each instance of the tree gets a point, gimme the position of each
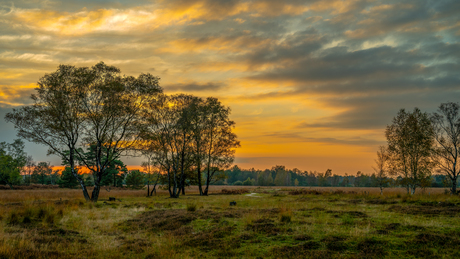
(12, 161)
(54, 118)
(446, 124)
(410, 141)
(152, 176)
(214, 141)
(248, 182)
(135, 179)
(67, 180)
(82, 106)
(167, 132)
(323, 177)
(381, 168)
(42, 173)
(8, 172)
(113, 175)
(28, 169)
(281, 174)
(346, 181)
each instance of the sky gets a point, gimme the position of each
(311, 84)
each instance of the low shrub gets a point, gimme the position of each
(235, 191)
(285, 214)
(304, 191)
(191, 207)
(34, 215)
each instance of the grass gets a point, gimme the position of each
(273, 223)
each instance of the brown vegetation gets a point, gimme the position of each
(330, 224)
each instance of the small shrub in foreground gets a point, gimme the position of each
(285, 215)
(191, 207)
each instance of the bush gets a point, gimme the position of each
(238, 183)
(236, 191)
(191, 207)
(304, 191)
(285, 215)
(286, 218)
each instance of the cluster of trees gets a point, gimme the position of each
(90, 117)
(16, 168)
(420, 144)
(187, 139)
(280, 176)
(190, 141)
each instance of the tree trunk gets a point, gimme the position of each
(454, 186)
(97, 187)
(95, 194)
(208, 180)
(183, 185)
(199, 180)
(169, 184)
(74, 173)
(205, 193)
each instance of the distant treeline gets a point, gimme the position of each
(281, 176)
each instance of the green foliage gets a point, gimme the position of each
(42, 173)
(135, 179)
(248, 182)
(238, 183)
(74, 107)
(410, 146)
(88, 180)
(115, 170)
(12, 161)
(67, 180)
(282, 177)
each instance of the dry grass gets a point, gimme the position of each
(9, 196)
(335, 223)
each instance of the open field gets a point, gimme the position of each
(266, 223)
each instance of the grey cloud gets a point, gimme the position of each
(296, 137)
(194, 87)
(376, 112)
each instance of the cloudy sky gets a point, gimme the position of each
(312, 84)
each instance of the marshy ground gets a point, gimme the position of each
(265, 223)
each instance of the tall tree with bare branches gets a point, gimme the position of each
(381, 168)
(446, 123)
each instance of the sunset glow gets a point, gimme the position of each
(311, 84)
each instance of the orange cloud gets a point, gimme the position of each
(239, 45)
(16, 95)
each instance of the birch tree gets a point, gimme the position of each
(446, 123)
(410, 140)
